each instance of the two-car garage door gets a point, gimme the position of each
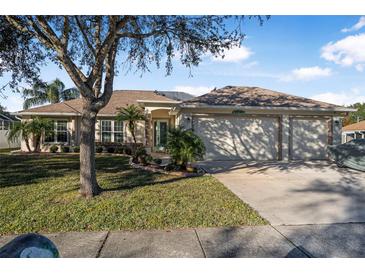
(238, 138)
(257, 138)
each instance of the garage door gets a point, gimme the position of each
(309, 138)
(238, 138)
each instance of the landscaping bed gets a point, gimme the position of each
(39, 193)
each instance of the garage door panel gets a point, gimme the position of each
(309, 139)
(237, 138)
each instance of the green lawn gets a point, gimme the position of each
(40, 194)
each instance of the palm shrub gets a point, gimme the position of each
(34, 128)
(131, 115)
(184, 146)
(19, 129)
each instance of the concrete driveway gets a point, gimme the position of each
(295, 193)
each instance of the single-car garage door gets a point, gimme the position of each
(238, 138)
(309, 139)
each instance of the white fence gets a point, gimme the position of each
(4, 127)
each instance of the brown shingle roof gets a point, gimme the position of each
(257, 97)
(120, 98)
(356, 126)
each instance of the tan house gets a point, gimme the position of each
(235, 123)
(353, 131)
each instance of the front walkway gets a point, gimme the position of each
(296, 193)
(337, 240)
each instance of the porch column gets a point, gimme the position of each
(72, 130)
(148, 132)
(97, 130)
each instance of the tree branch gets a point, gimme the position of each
(16, 23)
(138, 35)
(104, 49)
(84, 34)
(54, 43)
(109, 76)
(97, 33)
(65, 35)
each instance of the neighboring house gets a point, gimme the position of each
(6, 121)
(235, 123)
(353, 131)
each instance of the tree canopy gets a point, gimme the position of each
(356, 116)
(80, 43)
(90, 48)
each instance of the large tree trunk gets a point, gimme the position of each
(89, 186)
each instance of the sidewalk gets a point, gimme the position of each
(336, 240)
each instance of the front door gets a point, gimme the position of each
(160, 134)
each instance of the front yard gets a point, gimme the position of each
(39, 193)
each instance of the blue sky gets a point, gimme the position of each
(320, 57)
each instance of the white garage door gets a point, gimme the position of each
(238, 138)
(309, 138)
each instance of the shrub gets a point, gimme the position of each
(53, 148)
(110, 149)
(128, 150)
(157, 161)
(65, 149)
(171, 167)
(149, 159)
(184, 146)
(99, 149)
(119, 150)
(76, 149)
(140, 155)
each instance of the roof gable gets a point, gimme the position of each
(255, 97)
(118, 100)
(357, 126)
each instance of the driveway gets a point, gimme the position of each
(296, 193)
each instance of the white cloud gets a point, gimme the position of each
(359, 67)
(360, 24)
(340, 98)
(233, 55)
(306, 74)
(346, 52)
(196, 91)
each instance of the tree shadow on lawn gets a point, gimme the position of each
(137, 178)
(18, 170)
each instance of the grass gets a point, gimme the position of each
(7, 150)
(39, 193)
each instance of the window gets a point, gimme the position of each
(60, 134)
(118, 131)
(111, 131)
(4, 125)
(106, 131)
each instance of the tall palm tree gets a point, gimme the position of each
(42, 93)
(33, 128)
(131, 114)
